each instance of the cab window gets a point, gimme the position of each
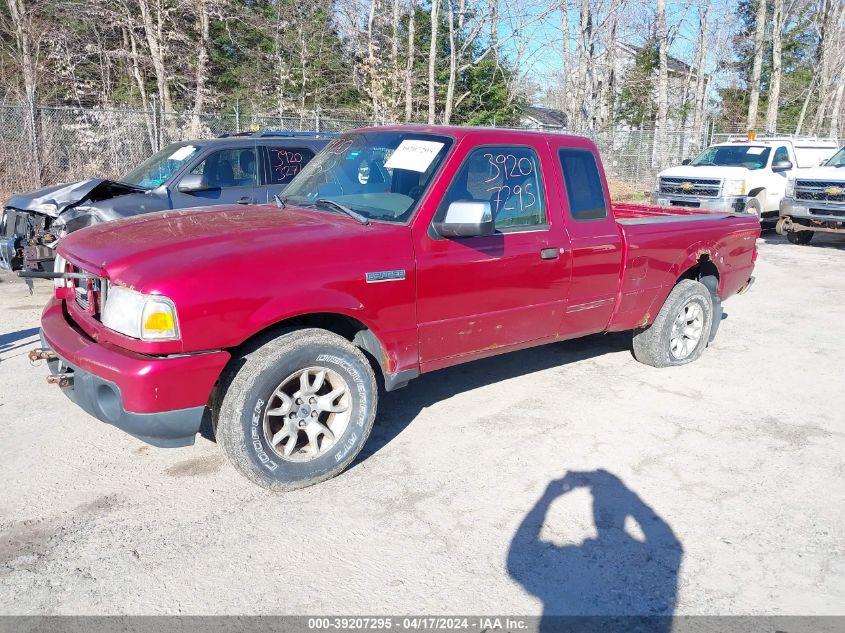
(506, 177)
(229, 168)
(584, 188)
(287, 162)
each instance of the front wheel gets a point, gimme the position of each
(681, 330)
(298, 410)
(799, 237)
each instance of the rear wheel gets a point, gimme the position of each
(799, 237)
(681, 330)
(298, 410)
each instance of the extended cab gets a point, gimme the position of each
(814, 202)
(396, 251)
(741, 175)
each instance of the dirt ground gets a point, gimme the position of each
(565, 479)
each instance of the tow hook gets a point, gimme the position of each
(41, 353)
(63, 380)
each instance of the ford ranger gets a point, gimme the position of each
(814, 202)
(396, 251)
(742, 174)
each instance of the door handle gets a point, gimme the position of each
(550, 253)
(246, 200)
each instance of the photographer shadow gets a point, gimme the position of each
(624, 579)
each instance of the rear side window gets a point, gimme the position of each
(287, 162)
(584, 188)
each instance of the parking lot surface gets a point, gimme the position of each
(563, 479)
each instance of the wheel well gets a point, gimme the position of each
(755, 192)
(348, 327)
(705, 271)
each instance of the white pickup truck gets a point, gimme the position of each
(814, 201)
(741, 175)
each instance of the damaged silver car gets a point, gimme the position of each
(241, 169)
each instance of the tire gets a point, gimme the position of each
(801, 238)
(657, 345)
(265, 400)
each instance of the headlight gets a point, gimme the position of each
(60, 266)
(734, 188)
(146, 317)
(790, 188)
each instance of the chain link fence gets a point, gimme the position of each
(74, 143)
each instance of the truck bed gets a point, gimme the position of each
(660, 244)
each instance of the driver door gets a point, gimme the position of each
(480, 295)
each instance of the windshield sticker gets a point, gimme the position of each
(414, 155)
(756, 151)
(182, 153)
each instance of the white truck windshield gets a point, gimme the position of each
(748, 156)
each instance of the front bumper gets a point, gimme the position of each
(818, 211)
(160, 400)
(733, 204)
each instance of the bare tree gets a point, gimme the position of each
(778, 23)
(759, 33)
(662, 39)
(203, 42)
(409, 63)
(153, 16)
(701, 75)
(432, 61)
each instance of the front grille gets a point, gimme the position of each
(89, 294)
(699, 187)
(820, 190)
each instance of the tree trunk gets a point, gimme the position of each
(27, 61)
(154, 32)
(432, 61)
(700, 78)
(203, 26)
(585, 65)
(836, 113)
(662, 83)
(778, 20)
(567, 64)
(142, 89)
(409, 65)
(754, 97)
(453, 64)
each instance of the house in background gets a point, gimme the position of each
(537, 118)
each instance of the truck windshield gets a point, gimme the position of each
(381, 175)
(748, 156)
(837, 160)
(159, 167)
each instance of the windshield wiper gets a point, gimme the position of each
(343, 209)
(280, 203)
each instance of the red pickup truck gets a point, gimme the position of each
(396, 251)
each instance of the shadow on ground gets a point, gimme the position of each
(399, 408)
(629, 569)
(820, 240)
(15, 340)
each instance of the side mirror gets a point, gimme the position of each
(193, 183)
(686, 161)
(466, 218)
(782, 165)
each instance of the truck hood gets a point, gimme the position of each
(55, 199)
(706, 171)
(822, 173)
(150, 251)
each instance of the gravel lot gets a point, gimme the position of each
(717, 487)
